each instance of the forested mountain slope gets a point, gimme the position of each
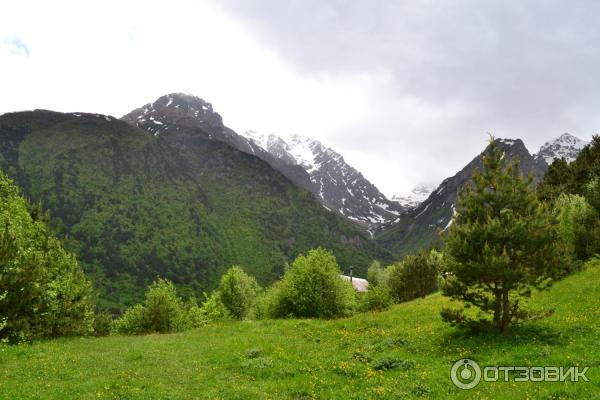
(134, 206)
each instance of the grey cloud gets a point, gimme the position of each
(510, 55)
(525, 68)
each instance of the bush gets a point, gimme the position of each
(312, 288)
(264, 303)
(376, 274)
(238, 292)
(43, 291)
(103, 322)
(212, 310)
(162, 311)
(377, 298)
(416, 276)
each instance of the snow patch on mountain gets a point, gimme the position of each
(337, 184)
(412, 199)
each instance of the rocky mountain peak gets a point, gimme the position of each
(565, 146)
(171, 109)
(336, 184)
(415, 197)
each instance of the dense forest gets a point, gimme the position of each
(134, 207)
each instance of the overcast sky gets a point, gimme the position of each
(405, 90)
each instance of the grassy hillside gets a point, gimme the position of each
(312, 359)
(134, 206)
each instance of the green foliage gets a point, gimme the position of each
(578, 225)
(162, 311)
(213, 309)
(43, 292)
(376, 275)
(592, 192)
(312, 288)
(572, 178)
(133, 206)
(502, 244)
(377, 298)
(238, 292)
(320, 359)
(416, 276)
(557, 180)
(103, 323)
(574, 191)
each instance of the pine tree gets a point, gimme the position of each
(502, 244)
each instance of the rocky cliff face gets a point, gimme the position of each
(565, 146)
(338, 185)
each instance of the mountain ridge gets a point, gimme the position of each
(420, 227)
(134, 205)
(565, 146)
(338, 185)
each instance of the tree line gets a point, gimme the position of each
(507, 241)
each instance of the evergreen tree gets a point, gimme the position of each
(557, 180)
(572, 178)
(502, 244)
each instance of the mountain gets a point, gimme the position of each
(565, 146)
(420, 227)
(338, 185)
(173, 111)
(415, 197)
(174, 200)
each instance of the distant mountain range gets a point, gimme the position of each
(411, 200)
(169, 190)
(421, 226)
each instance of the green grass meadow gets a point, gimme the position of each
(315, 359)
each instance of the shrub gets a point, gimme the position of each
(213, 309)
(162, 311)
(416, 276)
(376, 274)
(103, 322)
(264, 303)
(377, 298)
(312, 288)
(238, 292)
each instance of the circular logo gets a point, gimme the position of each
(465, 374)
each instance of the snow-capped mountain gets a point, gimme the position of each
(306, 162)
(565, 146)
(338, 185)
(412, 199)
